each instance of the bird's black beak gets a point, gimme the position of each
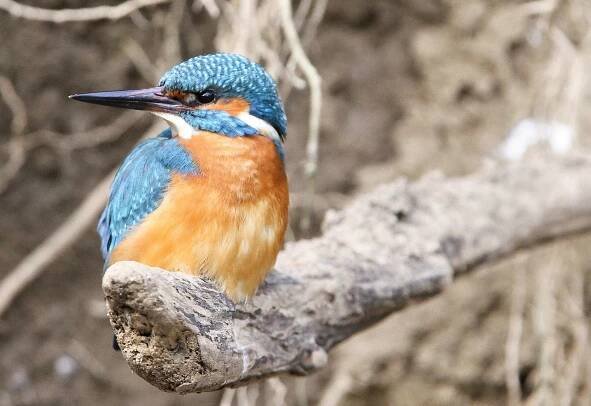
(152, 99)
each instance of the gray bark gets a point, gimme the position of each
(402, 242)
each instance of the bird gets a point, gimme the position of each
(209, 195)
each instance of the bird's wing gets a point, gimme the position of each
(139, 186)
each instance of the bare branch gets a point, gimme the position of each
(15, 104)
(141, 60)
(16, 146)
(336, 389)
(514, 339)
(68, 233)
(277, 391)
(117, 12)
(577, 323)
(61, 239)
(85, 139)
(315, 84)
(170, 50)
(17, 153)
(228, 397)
(308, 32)
(301, 13)
(102, 134)
(314, 20)
(210, 5)
(389, 248)
(545, 324)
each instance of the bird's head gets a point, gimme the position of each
(221, 93)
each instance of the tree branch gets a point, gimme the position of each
(403, 242)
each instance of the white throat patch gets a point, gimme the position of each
(186, 130)
(178, 124)
(261, 126)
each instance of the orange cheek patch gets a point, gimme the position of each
(231, 106)
(175, 94)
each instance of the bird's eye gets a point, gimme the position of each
(195, 99)
(206, 96)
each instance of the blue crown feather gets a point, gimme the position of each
(230, 75)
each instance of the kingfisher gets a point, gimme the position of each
(209, 195)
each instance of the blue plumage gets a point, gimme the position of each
(139, 186)
(231, 76)
(223, 94)
(142, 179)
(218, 121)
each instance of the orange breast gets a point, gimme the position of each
(226, 223)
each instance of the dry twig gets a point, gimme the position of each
(99, 135)
(61, 239)
(16, 160)
(276, 392)
(68, 233)
(170, 50)
(61, 16)
(573, 298)
(16, 145)
(514, 338)
(315, 85)
(15, 104)
(545, 323)
(314, 20)
(228, 397)
(210, 5)
(140, 59)
(336, 389)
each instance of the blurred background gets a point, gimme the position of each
(408, 87)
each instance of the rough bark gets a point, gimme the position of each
(404, 241)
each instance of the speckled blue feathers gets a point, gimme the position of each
(231, 76)
(139, 186)
(218, 121)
